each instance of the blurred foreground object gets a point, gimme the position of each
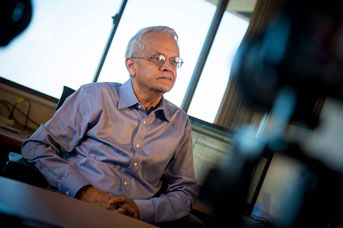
(302, 49)
(15, 16)
(286, 71)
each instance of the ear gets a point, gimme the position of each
(130, 66)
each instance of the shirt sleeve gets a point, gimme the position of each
(56, 140)
(179, 189)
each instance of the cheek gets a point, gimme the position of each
(175, 76)
(143, 72)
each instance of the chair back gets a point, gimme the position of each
(65, 93)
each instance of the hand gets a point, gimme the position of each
(126, 206)
(119, 204)
(97, 197)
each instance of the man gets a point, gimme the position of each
(123, 146)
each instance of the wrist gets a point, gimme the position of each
(82, 191)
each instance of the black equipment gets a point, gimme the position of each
(15, 16)
(285, 71)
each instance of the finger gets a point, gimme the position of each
(117, 200)
(131, 210)
(121, 211)
(111, 206)
(127, 207)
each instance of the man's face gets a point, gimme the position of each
(148, 76)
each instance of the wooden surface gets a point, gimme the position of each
(27, 201)
(11, 138)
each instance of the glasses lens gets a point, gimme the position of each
(177, 61)
(161, 59)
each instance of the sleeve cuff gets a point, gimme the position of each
(72, 183)
(146, 210)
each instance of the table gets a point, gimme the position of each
(27, 201)
(10, 141)
(11, 138)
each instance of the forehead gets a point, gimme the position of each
(160, 43)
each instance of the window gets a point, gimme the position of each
(190, 24)
(215, 75)
(62, 45)
(65, 41)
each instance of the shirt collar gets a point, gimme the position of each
(127, 98)
(164, 109)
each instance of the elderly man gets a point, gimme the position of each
(123, 146)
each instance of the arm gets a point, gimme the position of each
(56, 139)
(180, 189)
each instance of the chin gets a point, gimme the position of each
(165, 89)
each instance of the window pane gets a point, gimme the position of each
(191, 19)
(215, 76)
(62, 45)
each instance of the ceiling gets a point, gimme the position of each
(241, 8)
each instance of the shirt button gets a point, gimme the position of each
(67, 192)
(137, 145)
(135, 164)
(125, 183)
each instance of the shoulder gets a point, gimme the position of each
(98, 93)
(176, 112)
(100, 86)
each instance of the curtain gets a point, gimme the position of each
(232, 113)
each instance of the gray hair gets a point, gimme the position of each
(136, 44)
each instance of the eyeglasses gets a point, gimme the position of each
(161, 59)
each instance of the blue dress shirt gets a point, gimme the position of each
(102, 136)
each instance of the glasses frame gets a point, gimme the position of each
(161, 59)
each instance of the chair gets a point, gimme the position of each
(66, 93)
(19, 169)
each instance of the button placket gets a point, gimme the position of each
(138, 144)
(142, 129)
(126, 185)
